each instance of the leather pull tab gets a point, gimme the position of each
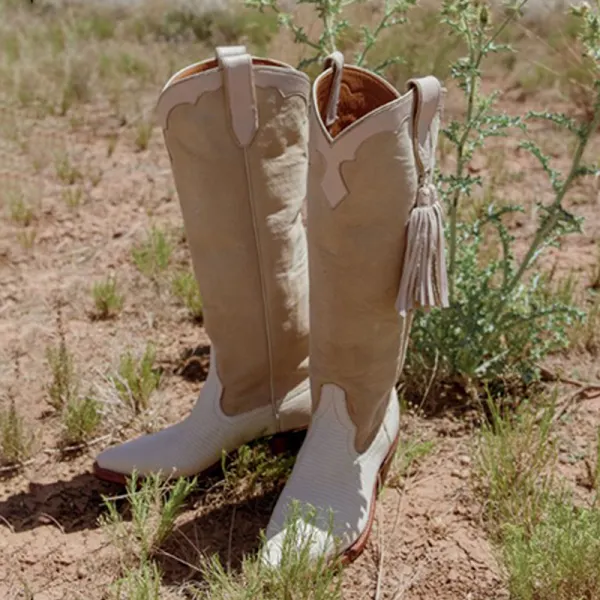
(425, 125)
(424, 281)
(238, 80)
(335, 62)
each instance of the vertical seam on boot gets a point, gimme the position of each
(265, 301)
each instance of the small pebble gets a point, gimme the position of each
(464, 460)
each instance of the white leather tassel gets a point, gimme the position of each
(424, 282)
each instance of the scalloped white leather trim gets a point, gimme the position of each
(287, 81)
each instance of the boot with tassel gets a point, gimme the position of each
(376, 252)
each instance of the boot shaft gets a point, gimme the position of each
(371, 159)
(236, 131)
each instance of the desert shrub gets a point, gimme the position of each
(338, 31)
(501, 321)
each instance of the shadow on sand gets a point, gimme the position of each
(74, 504)
(229, 531)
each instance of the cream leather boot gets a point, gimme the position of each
(376, 251)
(236, 129)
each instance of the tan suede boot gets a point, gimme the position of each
(376, 251)
(236, 129)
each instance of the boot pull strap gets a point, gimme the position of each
(424, 281)
(240, 93)
(425, 124)
(334, 61)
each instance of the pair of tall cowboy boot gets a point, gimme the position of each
(245, 136)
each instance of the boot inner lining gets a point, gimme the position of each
(360, 94)
(212, 64)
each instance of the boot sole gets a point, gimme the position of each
(358, 547)
(279, 443)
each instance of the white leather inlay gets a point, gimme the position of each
(343, 148)
(286, 81)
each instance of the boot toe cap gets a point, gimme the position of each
(150, 454)
(296, 543)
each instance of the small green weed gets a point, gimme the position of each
(410, 453)
(255, 468)
(514, 459)
(63, 387)
(585, 334)
(551, 548)
(298, 575)
(559, 559)
(143, 133)
(94, 175)
(21, 212)
(185, 288)
(66, 171)
(137, 379)
(16, 441)
(27, 238)
(140, 583)
(594, 473)
(81, 418)
(111, 144)
(153, 256)
(73, 197)
(154, 506)
(108, 301)
(76, 85)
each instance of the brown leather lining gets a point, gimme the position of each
(212, 64)
(360, 94)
